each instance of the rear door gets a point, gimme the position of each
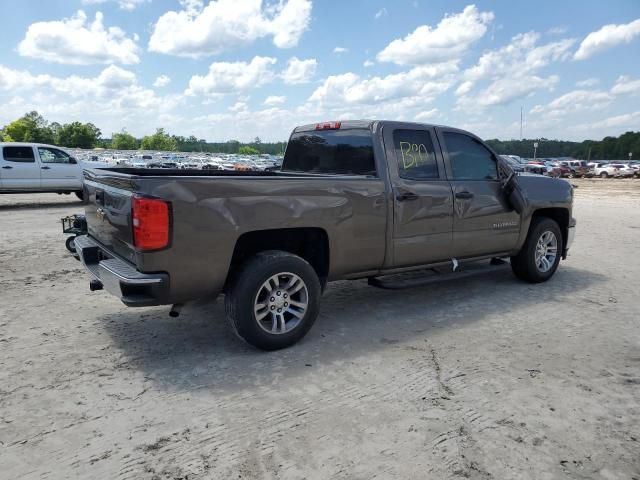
(19, 169)
(422, 199)
(483, 221)
(58, 169)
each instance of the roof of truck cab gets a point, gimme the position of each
(27, 144)
(345, 124)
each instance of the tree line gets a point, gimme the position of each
(609, 148)
(33, 127)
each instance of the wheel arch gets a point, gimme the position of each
(561, 216)
(309, 243)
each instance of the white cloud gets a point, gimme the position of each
(162, 81)
(607, 37)
(340, 50)
(557, 30)
(368, 63)
(123, 4)
(272, 100)
(589, 82)
(232, 77)
(380, 13)
(507, 89)
(511, 71)
(625, 85)
(426, 115)
(350, 89)
(575, 101)
(464, 88)
(617, 122)
(299, 71)
(111, 100)
(11, 80)
(78, 42)
(519, 57)
(238, 107)
(227, 24)
(448, 40)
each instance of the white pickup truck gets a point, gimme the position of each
(38, 168)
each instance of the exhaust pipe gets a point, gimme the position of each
(95, 285)
(175, 310)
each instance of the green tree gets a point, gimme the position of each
(247, 150)
(31, 127)
(78, 135)
(159, 141)
(124, 141)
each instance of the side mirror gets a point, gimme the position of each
(72, 160)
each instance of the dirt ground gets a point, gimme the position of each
(485, 378)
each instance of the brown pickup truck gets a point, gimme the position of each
(356, 199)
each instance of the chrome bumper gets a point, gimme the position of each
(119, 277)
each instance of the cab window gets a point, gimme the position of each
(470, 160)
(415, 155)
(18, 154)
(53, 155)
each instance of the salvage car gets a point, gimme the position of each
(40, 168)
(353, 200)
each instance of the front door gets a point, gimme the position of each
(18, 168)
(483, 221)
(58, 169)
(422, 199)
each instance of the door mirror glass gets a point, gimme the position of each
(469, 158)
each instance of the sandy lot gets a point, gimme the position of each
(483, 378)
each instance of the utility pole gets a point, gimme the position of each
(521, 123)
(535, 150)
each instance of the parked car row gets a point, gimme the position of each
(574, 168)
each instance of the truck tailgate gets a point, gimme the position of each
(108, 213)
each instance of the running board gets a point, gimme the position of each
(419, 278)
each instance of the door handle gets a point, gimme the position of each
(45, 168)
(7, 167)
(402, 197)
(464, 195)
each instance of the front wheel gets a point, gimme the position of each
(274, 300)
(604, 175)
(540, 255)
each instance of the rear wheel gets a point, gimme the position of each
(539, 257)
(604, 175)
(274, 300)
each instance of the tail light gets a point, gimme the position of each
(150, 218)
(328, 126)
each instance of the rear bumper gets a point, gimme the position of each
(120, 278)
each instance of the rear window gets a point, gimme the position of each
(339, 152)
(18, 154)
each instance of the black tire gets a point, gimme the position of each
(70, 245)
(80, 194)
(524, 263)
(604, 175)
(247, 284)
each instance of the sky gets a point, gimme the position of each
(237, 69)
